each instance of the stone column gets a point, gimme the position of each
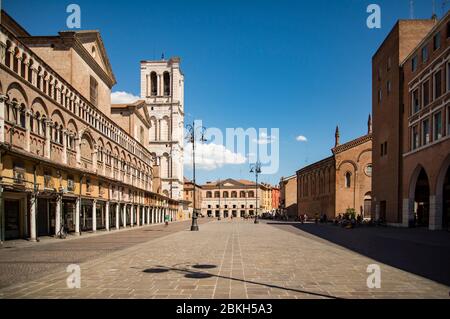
(33, 202)
(138, 215)
(94, 159)
(408, 212)
(107, 216)
(94, 215)
(3, 101)
(132, 215)
(58, 215)
(124, 221)
(77, 216)
(28, 115)
(78, 151)
(435, 213)
(117, 216)
(64, 154)
(48, 138)
(147, 209)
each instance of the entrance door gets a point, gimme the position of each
(422, 200)
(12, 219)
(42, 218)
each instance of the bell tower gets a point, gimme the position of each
(162, 87)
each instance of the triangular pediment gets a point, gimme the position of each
(93, 44)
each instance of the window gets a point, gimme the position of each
(388, 87)
(448, 77)
(415, 137)
(415, 102)
(425, 54)
(154, 84)
(437, 84)
(166, 83)
(348, 180)
(379, 96)
(426, 93)
(437, 126)
(94, 91)
(414, 63)
(426, 132)
(368, 170)
(437, 41)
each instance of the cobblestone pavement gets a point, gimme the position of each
(23, 261)
(230, 259)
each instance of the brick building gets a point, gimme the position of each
(275, 199)
(339, 182)
(64, 161)
(288, 196)
(411, 74)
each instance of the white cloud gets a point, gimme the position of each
(212, 156)
(122, 97)
(302, 139)
(265, 139)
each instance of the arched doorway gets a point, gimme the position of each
(367, 205)
(422, 200)
(446, 202)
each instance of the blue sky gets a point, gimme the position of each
(300, 66)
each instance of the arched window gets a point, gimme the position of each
(242, 194)
(154, 84)
(30, 71)
(166, 84)
(32, 122)
(22, 118)
(225, 195)
(348, 180)
(216, 194)
(208, 194)
(61, 135)
(251, 194)
(233, 194)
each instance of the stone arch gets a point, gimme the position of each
(355, 167)
(58, 117)
(87, 146)
(153, 129)
(441, 217)
(369, 150)
(16, 92)
(419, 197)
(39, 105)
(72, 126)
(165, 128)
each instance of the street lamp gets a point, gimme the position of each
(256, 168)
(191, 137)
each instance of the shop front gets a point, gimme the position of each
(86, 215)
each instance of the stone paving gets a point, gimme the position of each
(230, 259)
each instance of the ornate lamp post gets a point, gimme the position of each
(256, 168)
(191, 137)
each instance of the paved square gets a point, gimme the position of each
(229, 259)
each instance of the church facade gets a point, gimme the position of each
(339, 182)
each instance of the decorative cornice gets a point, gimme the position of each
(351, 144)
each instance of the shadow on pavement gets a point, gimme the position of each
(418, 251)
(204, 275)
